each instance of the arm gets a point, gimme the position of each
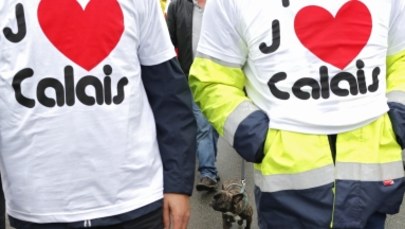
(170, 99)
(217, 82)
(396, 71)
(218, 90)
(396, 94)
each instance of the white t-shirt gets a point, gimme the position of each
(313, 66)
(77, 134)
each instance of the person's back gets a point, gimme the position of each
(313, 93)
(78, 136)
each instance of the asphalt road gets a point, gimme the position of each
(229, 167)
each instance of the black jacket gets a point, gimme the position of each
(180, 24)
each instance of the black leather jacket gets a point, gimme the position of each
(179, 21)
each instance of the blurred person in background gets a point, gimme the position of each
(184, 19)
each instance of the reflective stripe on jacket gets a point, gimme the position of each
(299, 184)
(298, 177)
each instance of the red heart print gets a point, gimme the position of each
(335, 40)
(85, 36)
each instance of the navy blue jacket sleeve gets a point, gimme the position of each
(170, 99)
(397, 117)
(250, 136)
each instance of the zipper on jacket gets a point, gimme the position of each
(332, 144)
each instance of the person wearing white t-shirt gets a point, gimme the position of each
(96, 124)
(313, 93)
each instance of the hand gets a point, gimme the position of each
(176, 211)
